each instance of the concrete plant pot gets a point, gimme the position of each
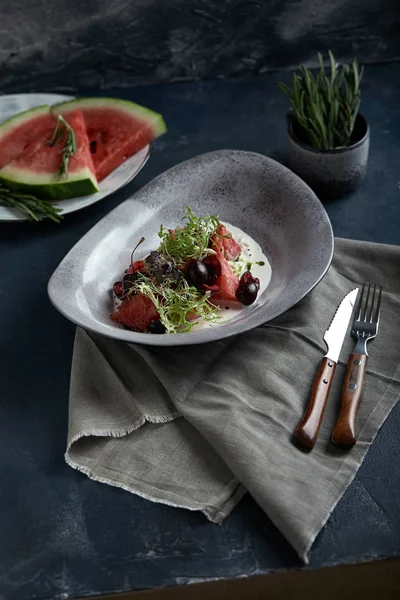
(330, 173)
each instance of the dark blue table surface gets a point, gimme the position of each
(63, 535)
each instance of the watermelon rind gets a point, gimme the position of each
(7, 126)
(151, 118)
(47, 185)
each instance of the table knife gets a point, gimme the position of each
(307, 430)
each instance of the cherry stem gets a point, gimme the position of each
(136, 247)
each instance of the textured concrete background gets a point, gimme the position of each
(74, 44)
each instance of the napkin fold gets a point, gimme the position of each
(124, 428)
(240, 400)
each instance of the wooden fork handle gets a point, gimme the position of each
(344, 433)
(307, 430)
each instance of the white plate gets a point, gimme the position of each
(15, 103)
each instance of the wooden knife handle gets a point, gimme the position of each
(344, 433)
(307, 430)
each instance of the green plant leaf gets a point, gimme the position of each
(326, 104)
(284, 88)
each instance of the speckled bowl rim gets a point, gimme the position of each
(218, 333)
(308, 148)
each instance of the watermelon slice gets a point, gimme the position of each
(136, 312)
(228, 282)
(230, 246)
(137, 265)
(116, 129)
(30, 165)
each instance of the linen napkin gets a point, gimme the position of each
(240, 400)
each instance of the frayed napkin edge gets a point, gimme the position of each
(122, 431)
(214, 515)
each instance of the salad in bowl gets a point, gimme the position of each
(199, 271)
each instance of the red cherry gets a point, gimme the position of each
(213, 267)
(196, 272)
(247, 293)
(118, 289)
(247, 277)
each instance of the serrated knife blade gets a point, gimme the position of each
(336, 331)
(307, 430)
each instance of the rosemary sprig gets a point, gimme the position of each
(62, 129)
(326, 104)
(34, 208)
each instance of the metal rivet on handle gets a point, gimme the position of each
(357, 362)
(352, 386)
(325, 381)
(330, 365)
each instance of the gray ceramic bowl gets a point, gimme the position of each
(331, 173)
(251, 191)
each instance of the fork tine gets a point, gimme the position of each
(377, 312)
(360, 303)
(365, 310)
(371, 312)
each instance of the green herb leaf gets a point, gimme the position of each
(180, 308)
(34, 208)
(190, 241)
(326, 106)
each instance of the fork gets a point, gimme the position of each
(364, 328)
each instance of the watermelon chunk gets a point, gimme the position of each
(116, 129)
(228, 282)
(136, 312)
(35, 169)
(230, 246)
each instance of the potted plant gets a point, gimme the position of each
(328, 137)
